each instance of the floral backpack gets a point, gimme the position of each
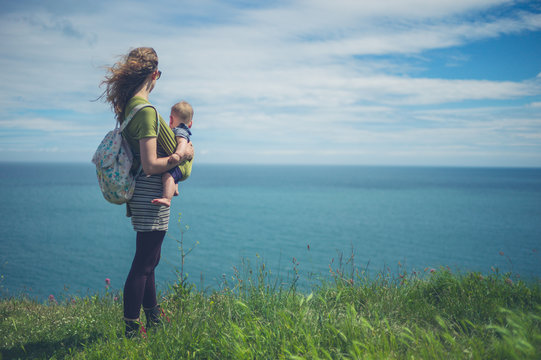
(113, 160)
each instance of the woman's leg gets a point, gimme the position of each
(140, 288)
(149, 296)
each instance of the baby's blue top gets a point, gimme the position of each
(182, 131)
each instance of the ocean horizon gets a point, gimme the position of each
(62, 237)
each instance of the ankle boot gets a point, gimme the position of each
(153, 316)
(132, 329)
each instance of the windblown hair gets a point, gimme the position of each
(126, 77)
(183, 110)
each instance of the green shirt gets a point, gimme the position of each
(143, 125)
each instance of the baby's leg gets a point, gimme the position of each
(169, 188)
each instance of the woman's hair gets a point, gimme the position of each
(126, 76)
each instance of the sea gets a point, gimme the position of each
(299, 223)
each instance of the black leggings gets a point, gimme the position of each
(140, 287)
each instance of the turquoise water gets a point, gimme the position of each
(61, 237)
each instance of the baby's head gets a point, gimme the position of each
(181, 112)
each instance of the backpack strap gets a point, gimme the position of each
(134, 111)
(130, 116)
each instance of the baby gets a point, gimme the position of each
(180, 121)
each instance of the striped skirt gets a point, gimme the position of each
(144, 215)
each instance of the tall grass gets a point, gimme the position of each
(433, 315)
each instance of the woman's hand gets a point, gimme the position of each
(174, 158)
(188, 153)
(183, 152)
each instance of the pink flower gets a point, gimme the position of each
(107, 281)
(509, 281)
(432, 270)
(143, 331)
(52, 300)
(116, 298)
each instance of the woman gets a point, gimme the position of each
(129, 84)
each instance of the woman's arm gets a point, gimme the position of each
(152, 164)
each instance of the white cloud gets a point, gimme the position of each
(416, 37)
(225, 58)
(275, 79)
(46, 125)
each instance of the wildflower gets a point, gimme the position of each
(143, 332)
(107, 281)
(509, 281)
(164, 314)
(52, 300)
(432, 270)
(308, 246)
(115, 298)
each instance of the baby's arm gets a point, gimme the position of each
(181, 150)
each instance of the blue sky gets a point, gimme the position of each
(392, 82)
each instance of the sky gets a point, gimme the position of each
(346, 82)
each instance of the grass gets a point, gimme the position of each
(433, 315)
